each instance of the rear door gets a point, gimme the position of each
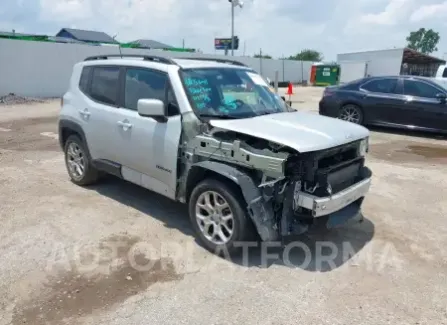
(422, 107)
(99, 104)
(382, 101)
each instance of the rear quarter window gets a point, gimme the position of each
(84, 80)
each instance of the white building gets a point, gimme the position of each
(386, 62)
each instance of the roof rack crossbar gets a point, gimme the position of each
(234, 62)
(153, 58)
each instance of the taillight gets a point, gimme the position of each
(327, 92)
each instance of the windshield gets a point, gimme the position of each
(230, 93)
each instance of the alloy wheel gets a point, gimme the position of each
(214, 217)
(350, 113)
(75, 161)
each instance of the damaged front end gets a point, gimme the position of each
(287, 192)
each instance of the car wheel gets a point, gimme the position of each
(218, 216)
(351, 113)
(78, 163)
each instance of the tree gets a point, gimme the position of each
(307, 55)
(264, 56)
(424, 41)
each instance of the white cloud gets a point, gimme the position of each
(395, 11)
(279, 27)
(67, 10)
(429, 11)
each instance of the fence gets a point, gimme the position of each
(43, 69)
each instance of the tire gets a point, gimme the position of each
(240, 223)
(351, 113)
(76, 156)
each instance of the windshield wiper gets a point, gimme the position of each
(221, 116)
(268, 112)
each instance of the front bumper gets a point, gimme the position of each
(323, 206)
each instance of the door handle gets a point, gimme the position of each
(85, 112)
(125, 125)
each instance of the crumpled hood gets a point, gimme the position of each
(303, 132)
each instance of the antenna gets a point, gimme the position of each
(119, 45)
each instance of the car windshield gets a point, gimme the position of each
(230, 93)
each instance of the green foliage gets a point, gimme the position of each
(424, 41)
(264, 56)
(307, 55)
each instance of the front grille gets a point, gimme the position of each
(338, 177)
(328, 171)
(338, 157)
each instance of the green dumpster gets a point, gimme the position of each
(326, 75)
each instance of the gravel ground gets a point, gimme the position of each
(75, 255)
(13, 99)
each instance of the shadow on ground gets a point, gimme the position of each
(172, 214)
(318, 250)
(408, 132)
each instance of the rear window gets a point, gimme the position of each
(444, 74)
(386, 86)
(351, 85)
(105, 83)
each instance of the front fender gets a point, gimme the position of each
(260, 211)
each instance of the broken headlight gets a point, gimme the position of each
(363, 147)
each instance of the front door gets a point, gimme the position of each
(422, 106)
(149, 147)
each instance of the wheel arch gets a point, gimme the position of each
(351, 102)
(68, 128)
(211, 169)
(260, 214)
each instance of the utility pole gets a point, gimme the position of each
(232, 29)
(234, 3)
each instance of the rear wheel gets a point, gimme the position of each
(77, 161)
(217, 216)
(351, 113)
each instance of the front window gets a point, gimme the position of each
(419, 89)
(230, 93)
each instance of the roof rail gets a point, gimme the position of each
(234, 62)
(153, 58)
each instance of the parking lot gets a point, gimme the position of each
(65, 249)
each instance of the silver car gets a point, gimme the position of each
(216, 137)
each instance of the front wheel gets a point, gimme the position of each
(218, 216)
(351, 113)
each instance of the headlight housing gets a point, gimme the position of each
(364, 147)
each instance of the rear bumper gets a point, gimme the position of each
(328, 108)
(323, 206)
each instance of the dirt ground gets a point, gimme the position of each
(117, 254)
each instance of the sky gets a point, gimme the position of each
(279, 28)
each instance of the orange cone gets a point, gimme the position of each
(289, 89)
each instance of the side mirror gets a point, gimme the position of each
(442, 97)
(154, 108)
